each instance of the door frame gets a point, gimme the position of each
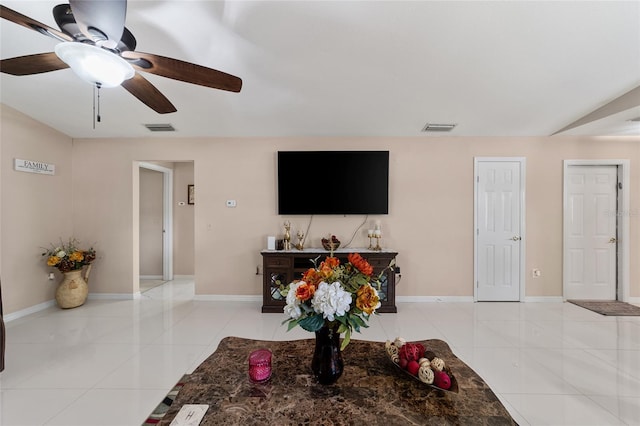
(523, 257)
(167, 217)
(622, 223)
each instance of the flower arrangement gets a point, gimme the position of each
(333, 294)
(68, 257)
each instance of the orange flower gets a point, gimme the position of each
(53, 260)
(76, 256)
(328, 266)
(331, 262)
(360, 263)
(312, 277)
(305, 291)
(367, 299)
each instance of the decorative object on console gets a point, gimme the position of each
(330, 244)
(331, 299)
(287, 235)
(300, 245)
(271, 243)
(377, 234)
(71, 260)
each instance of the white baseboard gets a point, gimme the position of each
(422, 299)
(228, 298)
(454, 299)
(634, 300)
(28, 311)
(545, 299)
(159, 277)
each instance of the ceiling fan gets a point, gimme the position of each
(100, 50)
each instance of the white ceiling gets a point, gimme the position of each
(354, 68)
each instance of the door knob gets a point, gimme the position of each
(516, 238)
(613, 240)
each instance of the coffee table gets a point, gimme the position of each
(372, 390)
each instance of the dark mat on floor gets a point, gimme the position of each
(608, 307)
(164, 405)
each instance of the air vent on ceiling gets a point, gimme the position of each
(432, 127)
(160, 127)
(635, 119)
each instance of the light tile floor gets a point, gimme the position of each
(110, 362)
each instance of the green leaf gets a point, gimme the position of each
(292, 324)
(346, 340)
(312, 323)
(359, 320)
(343, 328)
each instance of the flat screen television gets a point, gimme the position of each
(333, 182)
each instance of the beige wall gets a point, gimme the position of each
(431, 205)
(151, 224)
(36, 209)
(183, 218)
(430, 221)
(151, 219)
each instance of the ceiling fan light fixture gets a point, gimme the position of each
(94, 64)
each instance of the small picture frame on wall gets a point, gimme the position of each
(191, 198)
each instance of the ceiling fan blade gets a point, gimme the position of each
(146, 92)
(184, 71)
(32, 64)
(100, 19)
(25, 21)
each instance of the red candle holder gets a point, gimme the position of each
(260, 365)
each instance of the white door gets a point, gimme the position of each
(499, 230)
(591, 239)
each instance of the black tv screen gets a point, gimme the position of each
(333, 182)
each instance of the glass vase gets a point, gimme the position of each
(327, 364)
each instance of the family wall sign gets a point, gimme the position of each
(31, 166)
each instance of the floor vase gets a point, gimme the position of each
(73, 290)
(327, 364)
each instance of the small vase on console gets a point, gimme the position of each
(327, 364)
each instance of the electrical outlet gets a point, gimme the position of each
(231, 203)
(536, 273)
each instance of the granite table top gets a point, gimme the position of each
(372, 390)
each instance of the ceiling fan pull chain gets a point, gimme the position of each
(96, 101)
(98, 85)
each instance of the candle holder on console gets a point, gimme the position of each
(377, 235)
(370, 235)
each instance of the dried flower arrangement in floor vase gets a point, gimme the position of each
(71, 261)
(332, 299)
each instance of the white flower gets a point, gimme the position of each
(292, 308)
(61, 254)
(331, 300)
